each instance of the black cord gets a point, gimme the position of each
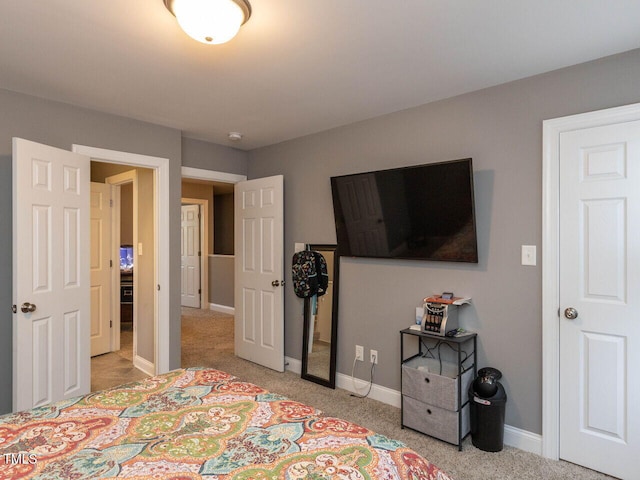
(428, 353)
(439, 344)
(373, 367)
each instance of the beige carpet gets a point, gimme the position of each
(208, 341)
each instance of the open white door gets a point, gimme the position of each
(101, 265)
(190, 256)
(259, 291)
(51, 280)
(599, 301)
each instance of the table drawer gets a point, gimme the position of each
(421, 383)
(434, 421)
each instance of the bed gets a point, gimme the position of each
(197, 423)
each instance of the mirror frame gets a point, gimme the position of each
(331, 381)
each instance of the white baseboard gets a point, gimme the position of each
(292, 365)
(378, 392)
(222, 308)
(522, 439)
(144, 365)
(514, 437)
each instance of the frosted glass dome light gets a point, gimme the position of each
(210, 21)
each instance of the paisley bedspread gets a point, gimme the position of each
(196, 423)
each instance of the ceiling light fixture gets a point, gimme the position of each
(210, 21)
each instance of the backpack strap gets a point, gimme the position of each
(323, 274)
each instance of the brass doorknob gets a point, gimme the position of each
(275, 283)
(28, 307)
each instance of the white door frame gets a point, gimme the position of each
(551, 256)
(113, 287)
(191, 173)
(204, 246)
(116, 181)
(161, 242)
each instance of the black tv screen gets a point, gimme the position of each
(423, 212)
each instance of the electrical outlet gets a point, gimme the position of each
(359, 353)
(374, 356)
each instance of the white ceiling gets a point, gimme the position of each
(298, 66)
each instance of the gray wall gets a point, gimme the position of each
(223, 224)
(501, 129)
(210, 156)
(221, 279)
(126, 214)
(144, 268)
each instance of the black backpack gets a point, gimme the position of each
(309, 274)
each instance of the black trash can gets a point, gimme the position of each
(487, 406)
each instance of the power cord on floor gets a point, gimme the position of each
(353, 380)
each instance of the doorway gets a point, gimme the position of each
(213, 192)
(209, 190)
(158, 248)
(133, 262)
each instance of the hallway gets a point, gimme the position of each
(207, 340)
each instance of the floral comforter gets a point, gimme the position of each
(196, 423)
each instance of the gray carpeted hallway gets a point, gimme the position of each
(207, 340)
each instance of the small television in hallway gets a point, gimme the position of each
(126, 258)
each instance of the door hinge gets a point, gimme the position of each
(158, 287)
(110, 263)
(199, 254)
(111, 202)
(110, 323)
(199, 291)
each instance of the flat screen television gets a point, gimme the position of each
(423, 212)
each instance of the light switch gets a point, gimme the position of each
(529, 255)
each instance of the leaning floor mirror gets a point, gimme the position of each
(321, 325)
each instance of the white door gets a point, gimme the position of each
(600, 279)
(259, 290)
(101, 265)
(50, 274)
(190, 256)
